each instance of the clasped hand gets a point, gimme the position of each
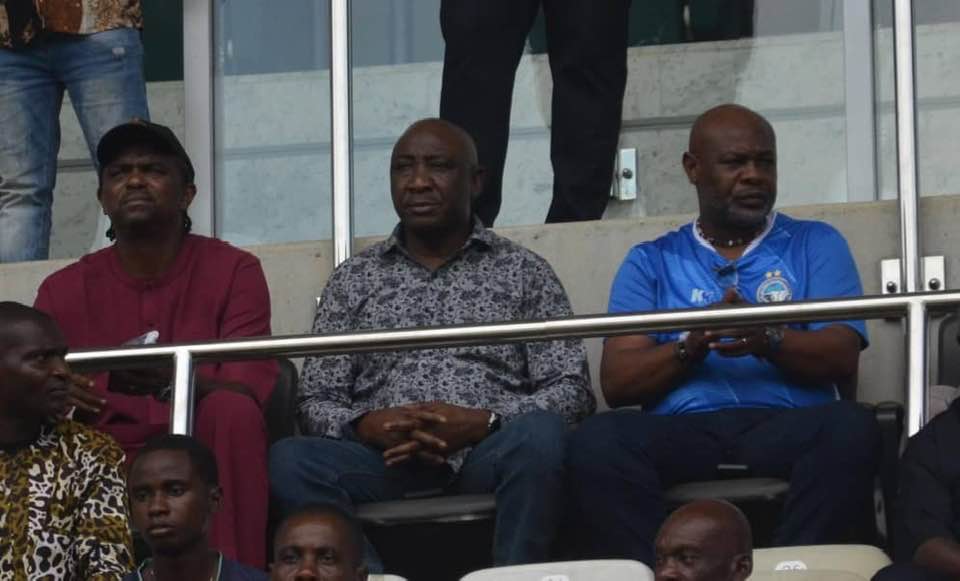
(732, 342)
(428, 432)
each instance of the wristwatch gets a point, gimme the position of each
(774, 337)
(493, 424)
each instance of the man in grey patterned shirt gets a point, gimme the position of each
(463, 419)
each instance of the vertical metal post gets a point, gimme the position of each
(183, 399)
(860, 109)
(906, 99)
(198, 108)
(917, 371)
(341, 138)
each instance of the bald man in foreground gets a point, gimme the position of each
(479, 419)
(706, 540)
(764, 397)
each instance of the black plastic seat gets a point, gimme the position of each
(280, 411)
(435, 509)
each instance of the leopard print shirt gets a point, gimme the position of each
(63, 513)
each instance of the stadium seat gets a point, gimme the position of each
(808, 575)
(608, 570)
(409, 534)
(435, 509)
(280, 412)
(735, 490)
(862, 561)
(373, 577)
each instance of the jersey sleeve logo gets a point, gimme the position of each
(774, 289)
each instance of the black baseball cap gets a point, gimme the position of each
(141, 132)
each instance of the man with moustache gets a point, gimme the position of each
(174, 492)
(705, 540)
(762, 396)
(62, 511)
(488, 418)
(160, 281)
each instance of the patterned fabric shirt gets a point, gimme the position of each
(63, 507)
(22, 20)
(490, 279)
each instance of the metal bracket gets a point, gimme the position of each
(890, 283)
(625, 176)
(934, 275)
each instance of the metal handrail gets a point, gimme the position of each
(913, 306)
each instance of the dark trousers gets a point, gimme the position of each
(908, 572)
(587, 42)
(620, 463)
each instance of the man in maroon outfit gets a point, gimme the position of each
(157, 277)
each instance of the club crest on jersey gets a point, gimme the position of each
(774, 289)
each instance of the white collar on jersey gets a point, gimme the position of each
(771, 218)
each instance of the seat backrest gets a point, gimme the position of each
(808, 575)
(280, 412)
(608, 570)
(948, 351)
(862, 560)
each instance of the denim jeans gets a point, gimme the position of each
(103, 74)
(522, 464)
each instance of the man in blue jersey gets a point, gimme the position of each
(766, 397)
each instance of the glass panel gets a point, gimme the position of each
(272, 121)
(397, 51)
(781, 57)
(938, 95)
(78, 224)
(784, 59)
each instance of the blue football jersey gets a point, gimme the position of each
(791, 260)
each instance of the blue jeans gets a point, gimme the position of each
(522, 464)
(103, 73)
(620, 462)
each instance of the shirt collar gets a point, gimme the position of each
(771, 219)
(479, 235)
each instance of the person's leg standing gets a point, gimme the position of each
(313, 470)
(830, 454)
(30, 98)
(522, 464)
(618, 465)
(484, 43)
(587, 43)
(103, 74)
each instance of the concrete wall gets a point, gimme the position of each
(586, 255)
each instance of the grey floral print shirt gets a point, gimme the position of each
(490, 279)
